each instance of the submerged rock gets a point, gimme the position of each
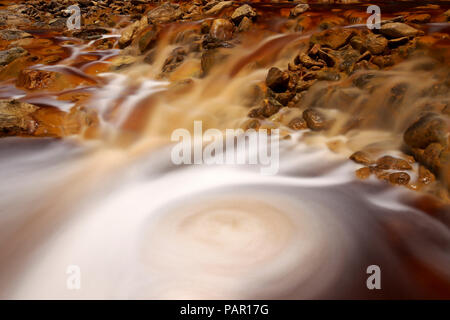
(8, 56)
(35, 79)
(15, 118)
(14, 34)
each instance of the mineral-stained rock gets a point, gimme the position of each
(388, 162)
(241, 12)
(175, 58)
(306, 61)
(245, 24)
(398, 30)
(428, 129)
(219, 7)
(127, 34)
(270, 107)
(14, 34)
(8, 56)
(432, 156)
(315, 119)
(148, 39)
(90, 33)
(363, 173)
(221, 29)
(164, 13)
(35, 79)
(332, 38)
(15, 118)
(419, 18)
(298, 124)
(361, 157)
(299, 9)
(425, 176)
(277, 80)
(376, 44)
(401, 178)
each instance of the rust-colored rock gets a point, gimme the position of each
(388, 162)
(332, 38)
(428, 129)
(400, 178)
(277, 80)
(221, 29)
(16, 119)
(35, 79)
(316, 120)
(298, 124)
(363, 173)
(376, 44)
(241, 12)
(362, 158)
(398, 30)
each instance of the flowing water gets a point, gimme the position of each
(139, 226)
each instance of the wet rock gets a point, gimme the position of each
(127, 34)
(428, 129)
(245, 24)
(14, 34)
(357, 42)
(425, 176)
(299, 9)
(277, 80)
(447, 15)
(165, 13)
(8, 56)
(211, 58)
(419, 18)
(241, 12)
(221, 29)
(35, 79)
(363, 173)
(315, 120)
(121, 62)
(383, 61)
(431, 156)
(394, 43)
(219, 7)
(298, 124)
(333, 39)
(361, 157)
(270, 107)
(306, 61)
(90, 33)
(398, 30)
(15, 118)
(175, 58)
(388, 162)
(376, 44)
(400, 178)
(148, 39)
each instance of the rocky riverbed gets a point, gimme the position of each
(381, 96)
